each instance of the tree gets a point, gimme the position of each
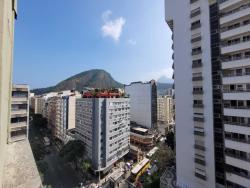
(170, 140)
(39, 121)
(73, 151)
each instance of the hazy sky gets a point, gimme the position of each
(55, 39)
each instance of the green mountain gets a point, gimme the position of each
(95, 78)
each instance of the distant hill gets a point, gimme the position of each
(95, 78)
(162, 88)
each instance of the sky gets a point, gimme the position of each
(56, 39)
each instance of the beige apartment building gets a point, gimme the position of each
(19, 125)
(37, 104)
(61, 115)
(165, 109)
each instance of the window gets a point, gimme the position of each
(195, 25)
(195, 12)
(247, 71)
(238, 72)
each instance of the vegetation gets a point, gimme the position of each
(152, 181)
(93, 78)
(39, 121)
(162, 158)
(73, 152)
(170, 140)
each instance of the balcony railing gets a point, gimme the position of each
(198, 105)
(199, 119)
(199, 147)
(242, 7)
(199, 92)
(236, 107)
(242, 140)
(200, 176)
(198, 133)
(199, 161)
(234, 74)
(238, 157)
(236, 90)
(198, 78)
(235, 26)
(237, 123)
(229, 59)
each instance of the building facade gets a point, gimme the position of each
(103, 124)
(143, 101)
(165, 109)
(37, 103)
(8, 14)
(19, 124)
(211, 51)
(141, 138)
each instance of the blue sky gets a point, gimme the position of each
(55, 39)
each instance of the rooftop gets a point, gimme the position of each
(143, 130)
(20, 167)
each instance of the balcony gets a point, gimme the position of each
(199, 133)
(198, 78)
(199, 161)
(199, 147)
(235, 14)
(236, 95)
(235, 46)
(240, 128)
(237, 144)
(198, 92)
(198, 106)
(233, 78)
(240, 162)
(19, 124)
(235, 62)
(19, 99)
(227, 3)
(239, 112)
(235, 30)
(238, 178)
(199, 119)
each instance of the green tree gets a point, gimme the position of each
(170, 140)
(73, 151)
(39, 121)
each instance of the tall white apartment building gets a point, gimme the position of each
(143, 101)
(212, 100)
(103, 124)
(165, 109)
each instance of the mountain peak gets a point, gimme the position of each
(95, 78)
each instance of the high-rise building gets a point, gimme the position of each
(143, 101)
(212, 100)
(37, 104)
(165, 109)
(61, 114)
(103, 124)
(19, 125)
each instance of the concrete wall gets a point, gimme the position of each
(6, 57)
(140, 101)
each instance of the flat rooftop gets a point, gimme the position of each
(20, 170)
(143, 130)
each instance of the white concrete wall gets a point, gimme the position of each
(140, 102)
(179, 12)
